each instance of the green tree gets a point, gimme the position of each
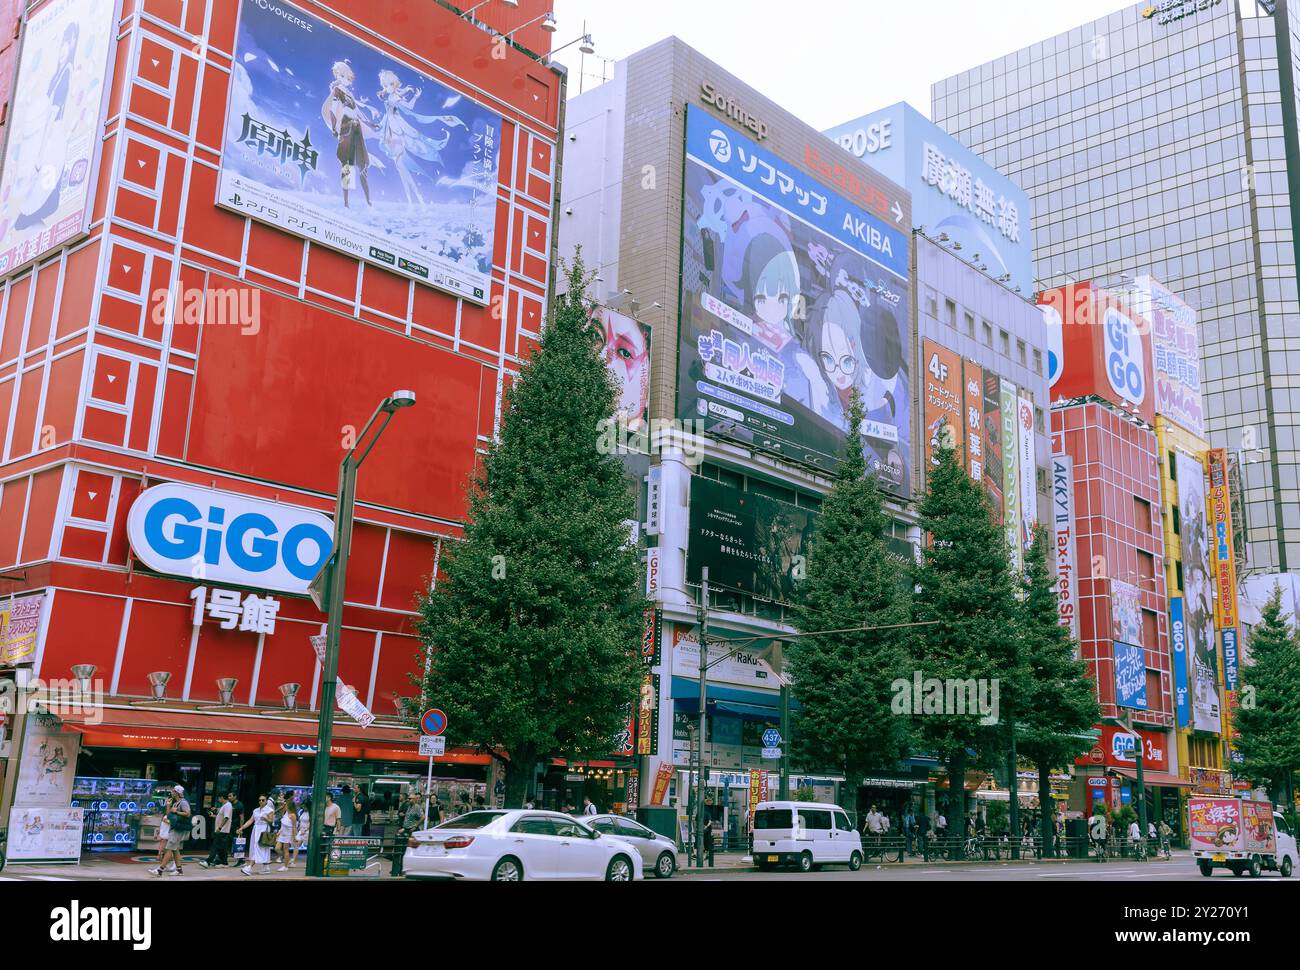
(1059, 703)
(964, 585)
(842, 680)
(536, 614)
(1268, 716)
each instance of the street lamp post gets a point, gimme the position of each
(331, 583)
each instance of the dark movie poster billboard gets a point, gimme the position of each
(331, 140)
(791, 298)
(748, 541)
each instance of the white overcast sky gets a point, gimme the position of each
(828, 61)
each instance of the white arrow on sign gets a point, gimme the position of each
(898, 211)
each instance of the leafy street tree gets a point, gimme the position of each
(536, 615)
(1268, 715)
(842, 680)
(1059, 703)
(964, 581)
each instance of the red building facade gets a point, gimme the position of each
(115, 376)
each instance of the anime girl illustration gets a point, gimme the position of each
(770, 288)
(46, 179)
(625, 348)
(350, 119)
(399, 137)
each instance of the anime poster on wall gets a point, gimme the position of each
(49, 160)
(1198, 597)
(792, 297)
(331, 140)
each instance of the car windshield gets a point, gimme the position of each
(471, 820)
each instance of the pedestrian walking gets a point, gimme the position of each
(909, 829)
(285, 837)
(923, 835)
(303, 831)
(360, 814)
(708, 838)
(588, 807)
(222, 820)
(179, 819)
(413, 817)
(261, 838)
(435, 811)
(333, 815)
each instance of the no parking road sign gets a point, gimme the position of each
(433, 722)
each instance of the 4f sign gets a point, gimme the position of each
(222, 537)
(1125, 367)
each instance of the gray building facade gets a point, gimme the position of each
(1162, 139)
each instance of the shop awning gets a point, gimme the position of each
(1154, 779)
(187, 730)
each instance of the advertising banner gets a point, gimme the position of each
(20, 625)
(1176, 354)
(1178, 649)
(1257, 832)
(1067, 584)
(1028, 470)
(651, 631)
(973, 416)
(624, 743)
(745, 669)
(994, 463)
(663, 778)
(792, 296)
(757, 790)
(330, 140)
(1198, 598)
(44, 833)
(624, 345)
(1125, 613)
(1214, 824)
(1011, 472)
(49, 766)
(1116, 747)
(1130, 676)
(1221, 552)
(1210, 781)
(647, 716)
(1231, 661)
(944, 427)
(53, 134)
(748, 541)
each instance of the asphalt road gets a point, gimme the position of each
(1113, 871)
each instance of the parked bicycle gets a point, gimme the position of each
(885, 848)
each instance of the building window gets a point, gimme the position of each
(1173, 468)
(1176, 519)
(951, 308)
(1146, 567)
(988, 334)
(1042, 481)
(1040, 423)
(1142, 517)
(1178, 575)
(931, 303)
(1006, 343)
(1150, 630)
(1038, 361)
(970, 326)
(1020, 349)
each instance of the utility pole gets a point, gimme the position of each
(1013, 789)
(704, 673)
(785, 739)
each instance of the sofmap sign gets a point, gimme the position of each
(953, 190)
(711, 96)
(221, 537)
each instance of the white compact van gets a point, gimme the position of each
(804, 834)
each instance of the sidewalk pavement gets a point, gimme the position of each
(136, 866)
(741, 860)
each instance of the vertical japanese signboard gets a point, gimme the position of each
(1028, 469)
(1067, 592)
(944, 427)
(973, 416)
(1008, 401)
(994, 465)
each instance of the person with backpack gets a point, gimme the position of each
(179, 819)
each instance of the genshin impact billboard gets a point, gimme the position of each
(1198, 597)
(791, 297)
(328, 139)
(49, 160)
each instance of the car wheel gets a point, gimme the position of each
(1253, 867)
(665, 865)
(508, 869)
(1286, 868)
(620, 869)
(855, 862)
(1206, 868)
(805, 862)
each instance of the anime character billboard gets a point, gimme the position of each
(792, 297)
(53, 142)
(331, 140)
(1198, 593)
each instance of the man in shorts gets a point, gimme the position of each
(177, 833)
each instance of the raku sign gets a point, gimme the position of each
(202, 533)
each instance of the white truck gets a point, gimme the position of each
(1239, 834)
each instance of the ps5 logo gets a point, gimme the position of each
(1124, 358)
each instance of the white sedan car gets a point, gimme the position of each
(658, 852)
(510, 845)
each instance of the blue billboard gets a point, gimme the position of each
(1130, 676)
(1178, 644)
(792, 297)
(953, 190)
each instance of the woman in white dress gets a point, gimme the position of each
(260, 820)
(303, 831)
(285, 841)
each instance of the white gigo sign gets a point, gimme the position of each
(206, 534)
(432, 747)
